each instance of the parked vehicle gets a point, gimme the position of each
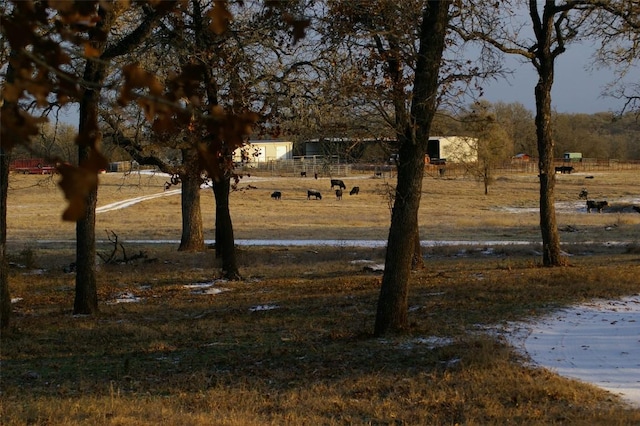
(32, 166)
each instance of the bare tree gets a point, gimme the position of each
(553, 26)
(488, 140)
(617, 27)
(519, 124)
(396, 56)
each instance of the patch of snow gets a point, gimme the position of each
(596, 342)
(35, 272)
(376, 267)
(263, 308)
(128, 203)
(199, 285)
(16, 299)
(431, 342)
(205, 288)
(125, 298)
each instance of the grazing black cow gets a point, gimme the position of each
(277, 195)
(564, 169)
(636, 208)
(315, 175)
(584, 194)
(303, 174)
(355, 190)
(314, 193)
(337, 182)
(339, 194)
(598, 205)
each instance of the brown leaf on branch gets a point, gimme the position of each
(16, 126)
(298, 26)
(220, 17)
(136, 78)
(76, 183)
(227, 132)
(90, 51)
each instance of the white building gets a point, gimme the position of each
(260, 151)
(453, 149)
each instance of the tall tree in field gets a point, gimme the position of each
(519, 124)
(7, 140)
(387, 23)
(554, 24)
(89, 159)
(397, 52)
(413, 133)
(47, 35)
(45, 38)
(488, 140)
(243, 66)
(173, 154)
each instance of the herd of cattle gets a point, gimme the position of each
(277, 195)
(591, 204)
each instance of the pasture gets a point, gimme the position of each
(291, 343)
(452, 209)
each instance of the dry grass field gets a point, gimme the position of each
(291, 343)
(452, 209)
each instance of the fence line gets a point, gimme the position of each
(331, 166)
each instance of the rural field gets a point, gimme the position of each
(291, 343)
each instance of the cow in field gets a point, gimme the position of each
(276, 195)
(355, 190)
(303, 174)
(636, 208)
(598, 205)
(337, 182)
(314, 193)
(339, 194)
(584, 194)
(564, 169)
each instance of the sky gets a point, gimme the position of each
(576, 88)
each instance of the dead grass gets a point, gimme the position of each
(291, 343)
(452, 209)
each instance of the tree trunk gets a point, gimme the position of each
(192, 234)
(5, 159)
(417, 262)
(86, 295)
(392, 302)
(5, 296)
(86, 292)
(392, 313)
(225, 243)
(551, 255)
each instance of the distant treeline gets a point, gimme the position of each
(600, 135)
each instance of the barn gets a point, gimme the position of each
(260, 151)
(452, 149)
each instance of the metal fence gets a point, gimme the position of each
(331, 166)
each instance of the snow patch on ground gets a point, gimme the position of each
(126, 297)
(205, 288)
(259, 308)
(597, 342)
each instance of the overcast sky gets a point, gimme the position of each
(576, 88)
